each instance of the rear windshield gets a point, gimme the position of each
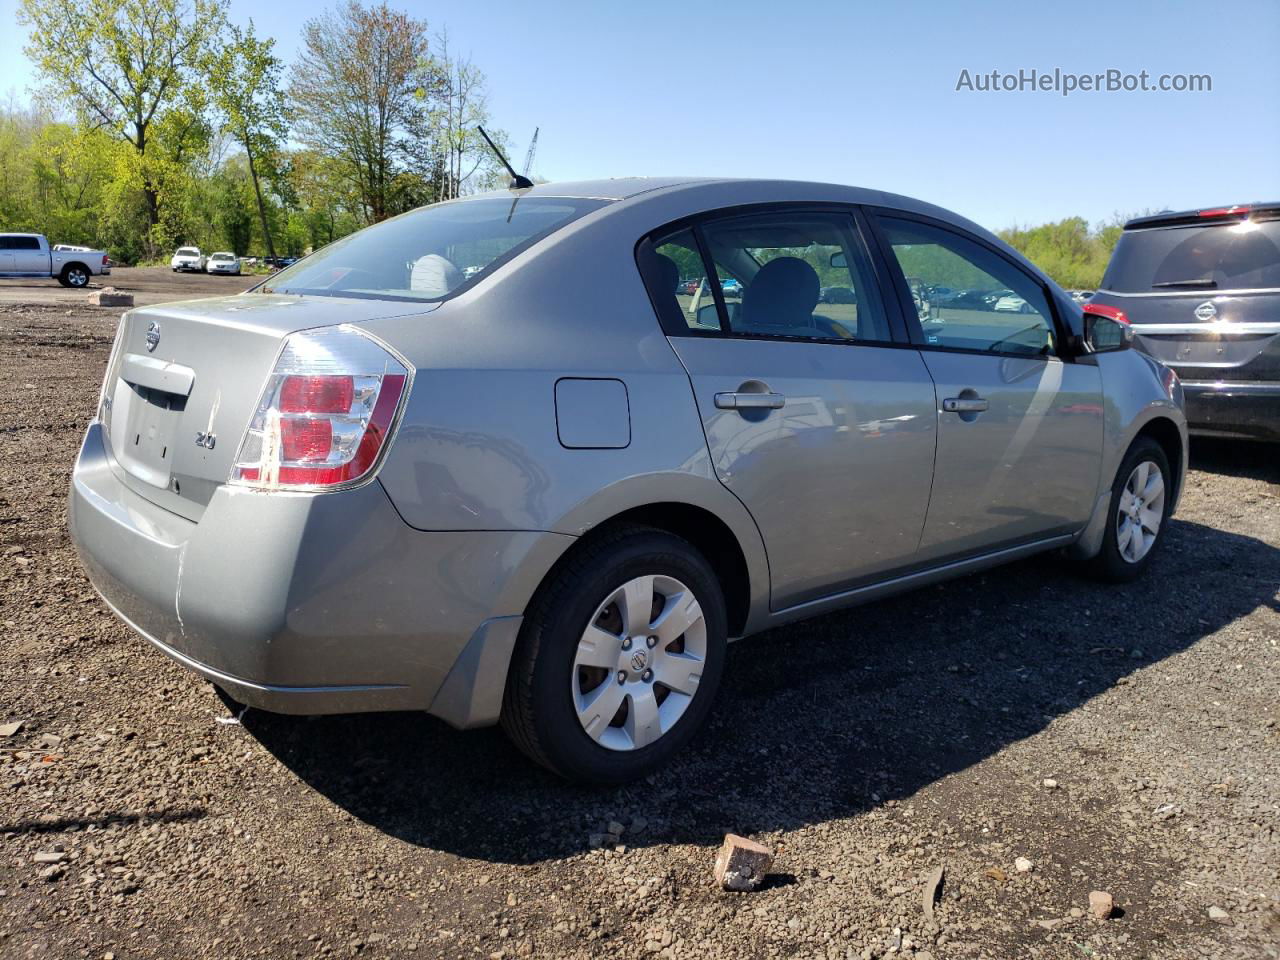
(430, 253)
(188, 252)
(1238, 256)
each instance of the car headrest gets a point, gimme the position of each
(434, 275)
(783, 293)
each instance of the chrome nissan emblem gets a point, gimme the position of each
(638, 660)
(153, 336)
(1206, 311)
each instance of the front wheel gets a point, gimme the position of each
(75, 276)
(1141, 501)
(619, 658)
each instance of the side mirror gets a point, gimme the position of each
(838, 259)
(1106, 329)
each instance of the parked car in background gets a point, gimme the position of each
(731, 287)
(188, 259)
(1012, 303)
(1202, 291)
(691, 287)
(837, 295)
(223, 262)
(371, 484)
(29, 255)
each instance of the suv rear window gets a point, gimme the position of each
(1236, 256)
(429, 253)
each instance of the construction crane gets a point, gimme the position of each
(528, 157)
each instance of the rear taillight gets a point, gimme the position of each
(104, 394)
(326, 413)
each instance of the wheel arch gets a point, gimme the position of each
(1166, 433)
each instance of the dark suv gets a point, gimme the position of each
(1202, 290)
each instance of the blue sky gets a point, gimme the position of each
(864, 93)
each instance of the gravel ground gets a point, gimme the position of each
(1119, 739)
(147, 284)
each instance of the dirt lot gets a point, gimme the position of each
(147, 284)
(1120, 739)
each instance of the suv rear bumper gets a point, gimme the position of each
(1233, 408)
(312, 604)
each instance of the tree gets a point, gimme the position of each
(446, 143)
(244, 79)
(121, 63)
(357, 88)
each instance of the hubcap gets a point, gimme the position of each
(638, 663)
(1140, 512)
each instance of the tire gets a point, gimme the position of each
(1116, 562)
(550, 692)
(75, 276)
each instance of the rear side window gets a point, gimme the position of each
(429, 253)
(26, 243)
(793, 275)
(1236, 256)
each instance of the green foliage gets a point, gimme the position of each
(1069, 251)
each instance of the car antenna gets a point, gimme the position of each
(518, 181)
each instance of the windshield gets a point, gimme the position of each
(429, 253)
(222, 256)
(1238, 256)
(188, 252)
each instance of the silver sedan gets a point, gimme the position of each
(491, 460)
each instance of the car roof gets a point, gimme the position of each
(692, 196)
(725, 191)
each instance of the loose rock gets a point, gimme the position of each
(932, 887)
(1024, 865)
(742, 864)
(1100, 904)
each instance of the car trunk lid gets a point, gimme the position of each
(185, 378)
(1202, 290)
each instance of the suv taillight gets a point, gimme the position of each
(326, 413)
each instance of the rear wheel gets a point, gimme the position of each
(1141, 500)
(619, 658)
(75, 276)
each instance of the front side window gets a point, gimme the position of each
(26, 243)
(967, 297)
(429, 253)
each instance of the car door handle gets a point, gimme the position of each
(750, 401)
(964, 405)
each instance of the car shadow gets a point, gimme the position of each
(1237, 458)
(815, 721)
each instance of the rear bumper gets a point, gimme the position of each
(312, 604)
(1225, 408)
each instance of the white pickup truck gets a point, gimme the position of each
(28, 255)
